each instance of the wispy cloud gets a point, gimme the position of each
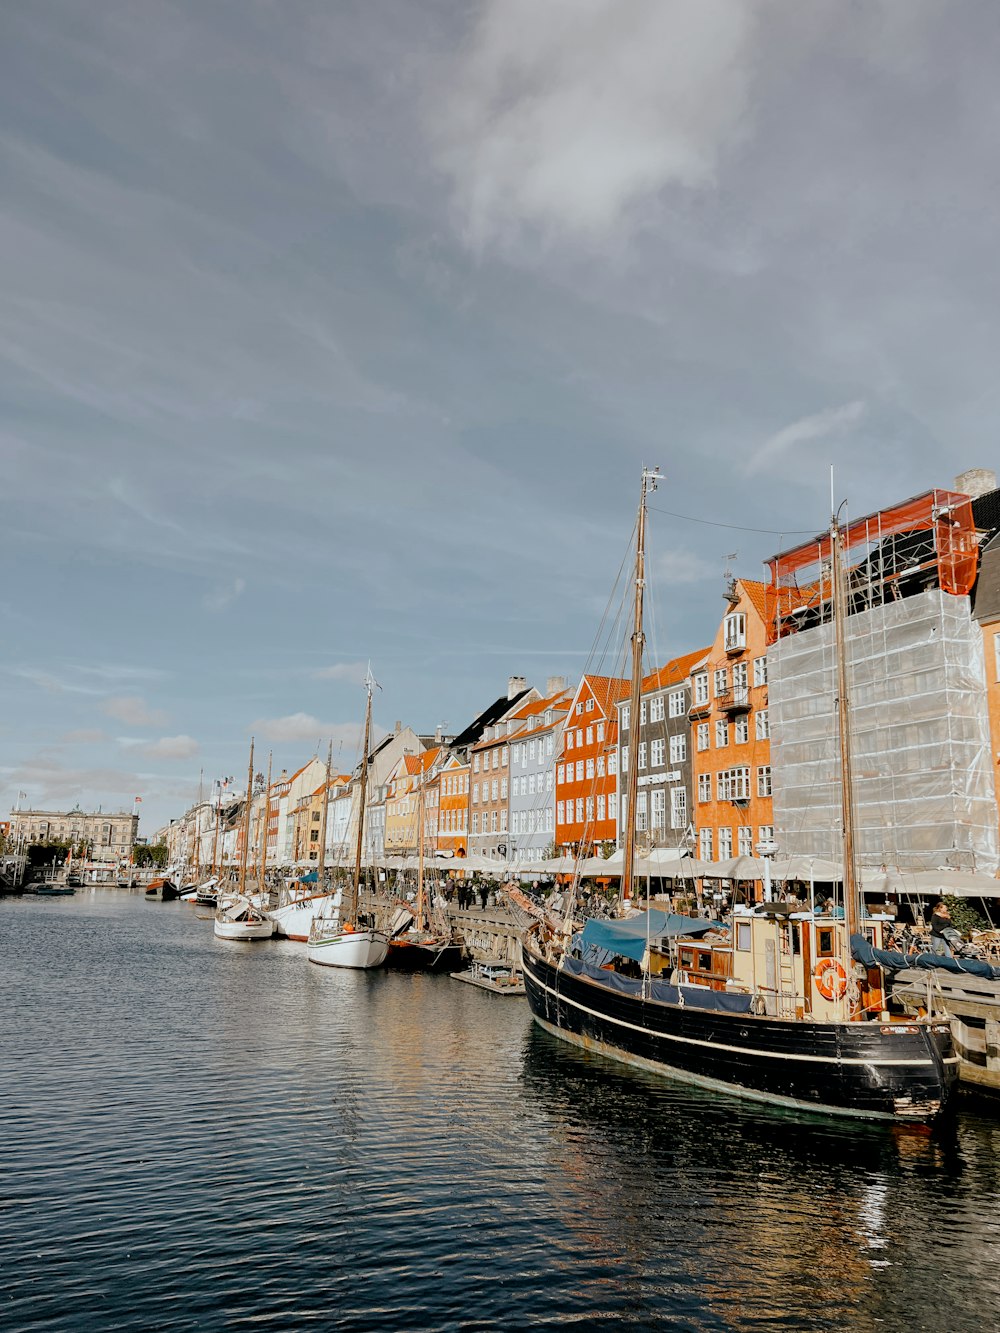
(820, 426)
(171, 747)
(84, 736)
(567, 118)
(134, 711)
(349, 671)
(305, 727)
(223, 595)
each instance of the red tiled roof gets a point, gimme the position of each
(607, 691)
(675, 671)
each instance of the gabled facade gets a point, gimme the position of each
(532, 820)
(587, 765)
(662, 745)
(730, 731)
(453, 807)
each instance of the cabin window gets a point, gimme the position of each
(705, 962)
(743, 936)
(824, 942)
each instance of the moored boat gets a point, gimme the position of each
(779, 1011)
(161, 891)
(239, 915)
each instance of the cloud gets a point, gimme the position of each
(218, 598)
(46, 680)
(568, 118)
(129, 708)
(172, 747)
(350, 671)
(832, 421)
(84, 736)
(305, 727)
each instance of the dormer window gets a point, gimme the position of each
(735, 632)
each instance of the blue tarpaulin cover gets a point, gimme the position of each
(627, 937)
(310, 878)
(895, 961)
(698, 997)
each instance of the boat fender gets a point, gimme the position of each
(830, 978)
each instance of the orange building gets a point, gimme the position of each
(453, 807)
(587, 765)
(730, 732)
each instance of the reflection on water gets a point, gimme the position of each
(202, 1135)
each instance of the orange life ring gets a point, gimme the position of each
(830, 978)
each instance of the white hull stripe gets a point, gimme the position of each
(734, 1050)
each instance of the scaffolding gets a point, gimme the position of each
(923, 769)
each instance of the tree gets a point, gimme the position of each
(155, 855)
(43, 853)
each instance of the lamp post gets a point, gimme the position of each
(766, 849)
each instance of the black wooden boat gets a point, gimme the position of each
(898, 1071)
(415, 952)
(161, 891)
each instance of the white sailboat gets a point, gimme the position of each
(338, 938)
(238, 916)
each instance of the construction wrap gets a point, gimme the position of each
(923, 775)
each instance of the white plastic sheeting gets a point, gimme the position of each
(923, 769)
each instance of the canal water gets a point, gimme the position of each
(202, 1135)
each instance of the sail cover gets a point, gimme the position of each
(627, 937)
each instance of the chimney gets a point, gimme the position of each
(554, 685)
(437, 734)
(977, 481)
(515, 684)
(397, 728)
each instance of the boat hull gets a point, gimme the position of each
(355, 949)
(294, 920)
(244, 930)
(423, 955)
(905, 1072)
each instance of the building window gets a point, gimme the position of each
(675, 703)
(503, 789)
(624, 758)
(590, 705)
(569, 740)
(590, 768)
(720, 681)
(579, 810)
(503, 757)
(642, 754)
(702, 736)
(735, 633)
(600, 765)
(656, 752)
(721, 734)
(600, 807)
(705, 844)
(678, 749)
(475, 823)
(579, 737)
(704, 787)
(612, 763)
(579, 707)
(765, 833)
(642, 712)
(761, 728)
(744, 841)
(561, 773)
(656, 708)
(764, 780)
(503, 821)
(559, 812)
(741, 730)
(548, 780)
(701, 688)
(733, 784)
(600, 731)
(657, 808)
(641, 812)
(760, 671)
(579, 770)
(625, 716)
(475, 763)
(612, 805)
(590, 809)
(678, 807)
(725, 843)
(493, 790)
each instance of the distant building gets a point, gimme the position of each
(104, 837)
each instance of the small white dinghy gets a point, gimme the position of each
(239, 919)
(332, 945)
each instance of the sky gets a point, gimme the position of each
(337, 331)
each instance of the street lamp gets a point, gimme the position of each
(766, 849)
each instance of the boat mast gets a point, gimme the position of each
(649, 480)
(197, 824)
(321, 861)
(215, 840)
(266, 823)
(852, 911)
(420, 851)
(246, 823)
(362, 792)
